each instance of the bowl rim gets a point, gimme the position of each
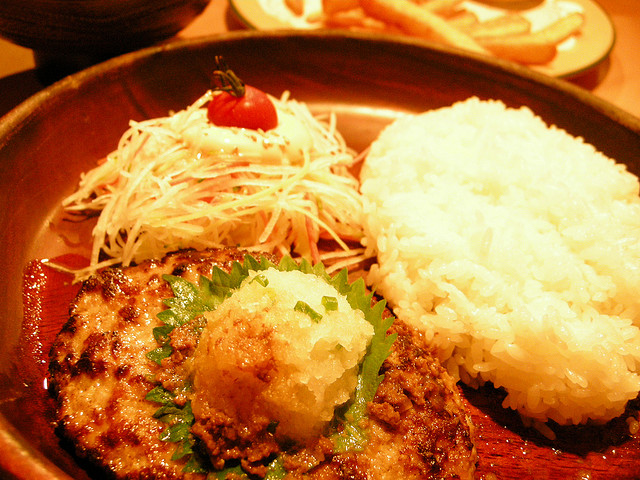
(12, 119)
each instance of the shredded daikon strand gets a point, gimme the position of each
(157, 193)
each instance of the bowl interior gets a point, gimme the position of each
(49, 140)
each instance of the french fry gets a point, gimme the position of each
(562, 29)
(511, 24)
(315, 17)
(463, 20)
(356, 19)
(526, 48)
(445, 21)
(296, 6)
(329, 7)
(535, 48)
(445, 8)
(417, 21)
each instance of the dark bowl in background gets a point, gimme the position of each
(94, 27)
(47, 141)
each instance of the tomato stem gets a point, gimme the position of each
(224, 79)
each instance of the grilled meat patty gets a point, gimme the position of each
(100, 376)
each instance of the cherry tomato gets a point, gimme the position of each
(253, 110)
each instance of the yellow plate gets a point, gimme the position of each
(575, 56)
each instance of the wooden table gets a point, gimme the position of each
(616, 80)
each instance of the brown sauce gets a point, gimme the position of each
(46, 294)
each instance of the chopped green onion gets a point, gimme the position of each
(330, 304)
(303, 307)
(261, 279)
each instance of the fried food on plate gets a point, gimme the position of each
(296, 6)
(329, 7)
(356, 19)
(502, 26)
(533, 48)
(421, 22)
(507, 35)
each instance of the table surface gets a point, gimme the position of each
(617, 79)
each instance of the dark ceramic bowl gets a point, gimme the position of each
(94, 27)
(367, 81)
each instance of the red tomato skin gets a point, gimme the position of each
(254, 110)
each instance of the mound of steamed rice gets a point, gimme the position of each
(516, 248)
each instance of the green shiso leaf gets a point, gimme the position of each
(222, 474)
(184, 449)
(177, 433)
(275, 470)
(160, 395)
(179, 419)
(161, 334)
(160, 353)
(351, 434)
(191, 300)
(195, 464)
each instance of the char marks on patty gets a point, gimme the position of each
(100, 375)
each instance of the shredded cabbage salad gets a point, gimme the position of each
(159, 192)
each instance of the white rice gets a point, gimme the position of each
(516, 248)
